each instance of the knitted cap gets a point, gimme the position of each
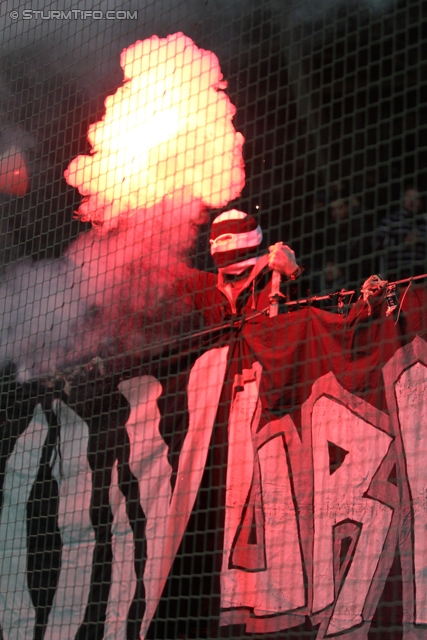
(235, 238)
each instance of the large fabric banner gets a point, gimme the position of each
(268, 479)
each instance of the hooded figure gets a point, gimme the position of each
(243, 283)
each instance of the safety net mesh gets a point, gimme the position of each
(213, 316)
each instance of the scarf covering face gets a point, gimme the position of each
(234, 239)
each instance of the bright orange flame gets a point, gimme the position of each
(168, 128)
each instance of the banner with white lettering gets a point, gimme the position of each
(269, 480)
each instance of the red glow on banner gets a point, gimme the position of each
(167, 129)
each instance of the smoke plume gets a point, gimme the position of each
(164, 151)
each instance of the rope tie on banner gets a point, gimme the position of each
(402, 299)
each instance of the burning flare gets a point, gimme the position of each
(168, 128)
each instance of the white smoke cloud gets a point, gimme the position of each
(108, 295)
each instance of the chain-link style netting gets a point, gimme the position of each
(213, 320)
